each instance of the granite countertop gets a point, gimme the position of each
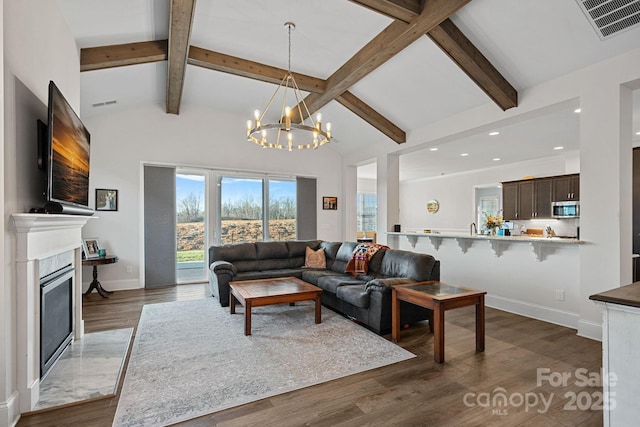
(625, 295)
(524, 238)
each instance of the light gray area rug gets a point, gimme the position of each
(191, 358)
(89, 368)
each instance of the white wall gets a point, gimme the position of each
(38, 47)
(122, 142)
(456, 194)
(366, 185)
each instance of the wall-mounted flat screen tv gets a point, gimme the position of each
(68, 152)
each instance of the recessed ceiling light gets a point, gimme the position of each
(577, 110)
(464, 154)
(637, 133)
(433, 149)
(496, 159)
(558, 148)
(494, 133)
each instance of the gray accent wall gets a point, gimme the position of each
(159, 226)
(307, 214)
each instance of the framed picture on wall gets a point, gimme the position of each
(106, 200)
(91, 247)
(330, 203)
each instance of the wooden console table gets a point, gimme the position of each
(95, 262)
(438, 297)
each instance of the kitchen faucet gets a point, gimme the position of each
(473, 227)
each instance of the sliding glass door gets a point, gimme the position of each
(191, 225)
(184, 216)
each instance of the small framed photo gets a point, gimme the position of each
(330, 203)
(91, 247)
(106, 200)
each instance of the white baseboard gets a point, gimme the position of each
(116, 285)
(9, 413)
(546, 314)
(590, 330)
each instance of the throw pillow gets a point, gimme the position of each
(314, 259)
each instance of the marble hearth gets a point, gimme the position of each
(40, 237)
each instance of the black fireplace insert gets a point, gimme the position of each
(56, 316)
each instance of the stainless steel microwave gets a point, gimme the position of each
(569, 209)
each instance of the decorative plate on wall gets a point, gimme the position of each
(433, 206)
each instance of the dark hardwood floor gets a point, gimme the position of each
(465, 390)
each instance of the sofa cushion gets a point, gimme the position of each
(330, 251)
(412, 265)
(375, 263)
(231, 253)
(315, 259)
(312, 276)
(297, 248)
(354, 294)
(267, 274)
(343, 256)
(331, 283)
(272, 250)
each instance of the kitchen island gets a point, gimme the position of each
(536, 277)
(497, 243)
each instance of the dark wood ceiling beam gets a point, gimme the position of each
(101, 57)
(253, 70)
(458, 47)
(381, 48)
(266, 73)
(402, 10)
(180, 24)
(375, 119)
(448, 37)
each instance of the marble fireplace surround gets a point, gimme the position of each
(41, 236)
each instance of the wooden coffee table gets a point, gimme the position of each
(255, 293)
(438, 297)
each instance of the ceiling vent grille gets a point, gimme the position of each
(611, 17)
(105, 103)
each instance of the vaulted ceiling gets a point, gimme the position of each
(377, 69)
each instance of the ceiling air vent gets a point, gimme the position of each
(611, 17)
(102, 104)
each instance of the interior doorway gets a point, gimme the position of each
(488, 203)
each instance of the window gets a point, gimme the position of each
(282, 210)
(366, 212)
(254, 209)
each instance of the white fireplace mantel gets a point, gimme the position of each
(40, 236)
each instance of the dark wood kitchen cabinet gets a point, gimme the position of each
(527, 199)
(566, 188)
(543, 195)
(510, 200)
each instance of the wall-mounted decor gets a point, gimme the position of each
(330, 203)
(106, 200)
(433, 206)
(91, 247)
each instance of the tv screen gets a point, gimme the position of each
(68, 162)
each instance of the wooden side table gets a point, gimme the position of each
(438, 297)
(95, 262)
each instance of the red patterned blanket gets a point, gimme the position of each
(362, 254)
